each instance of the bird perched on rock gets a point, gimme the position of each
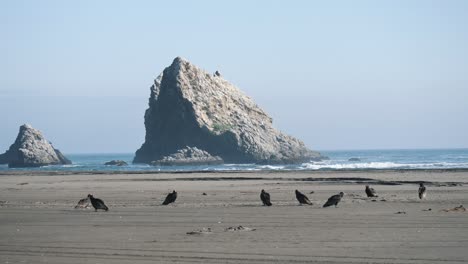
(98, 203)
(265, 198)
(302, 198)
(170, 198)
(334, 200)
(422, 191)
(371, 192)
(217, 74)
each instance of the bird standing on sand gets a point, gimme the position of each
(302, 198)
(422, 191)
(83, 203)
(265, 198)
(334, 200)
(370, 192)
(170, 198)
(97, 203)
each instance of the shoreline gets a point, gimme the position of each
(323, 171)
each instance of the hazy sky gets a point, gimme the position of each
(337, 74)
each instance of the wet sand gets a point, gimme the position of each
(38, 222)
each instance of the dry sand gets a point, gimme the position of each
(38, 222)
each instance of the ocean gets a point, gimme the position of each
(339, 160)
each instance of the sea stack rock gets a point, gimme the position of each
(116, 163)
(190, 107)
(189, 156)
(31, 149)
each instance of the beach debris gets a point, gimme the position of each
(204, 193)
(334, 200)
(422, 191)
(2, 203)
(400, 212)
(23, 183)
(170, 198)
(239, 228)
(83, 203)
(371, 192)
(460, 208)
(200, 231)
(383, 200)
(427, 210)
(373, 200)
(97, 203)
(265, 197)
(302, 198)
(311, 192)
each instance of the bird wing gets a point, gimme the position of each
(301, 198)
(168, 199)
(100, 204)
(267, 199)
(331, 201)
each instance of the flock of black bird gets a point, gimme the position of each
(99, 204)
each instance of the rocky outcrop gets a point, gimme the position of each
(188, 156)
(116, 163)
(190, 107)
(31, 149)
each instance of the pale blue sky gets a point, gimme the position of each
(337, 74)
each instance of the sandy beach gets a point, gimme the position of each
(38, 222)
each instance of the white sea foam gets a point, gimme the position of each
(271, 167)
(380, 165)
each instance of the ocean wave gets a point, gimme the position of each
(380, 165)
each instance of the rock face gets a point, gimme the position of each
(116, 163)
(190, 107)
(31, 149)
(189, 156)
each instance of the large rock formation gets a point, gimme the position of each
(31, 149)
(116, 163)
(190, 107)
(189, 156)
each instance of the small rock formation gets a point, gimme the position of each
(190, 107)
(116, 163)
(354, 159)
(31, 149)
(189, 156)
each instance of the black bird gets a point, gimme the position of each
(422, 191)
(265, 198)
(170, 198)
(334, 200)
(302, 198)
(371, 192)
(97, 203)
